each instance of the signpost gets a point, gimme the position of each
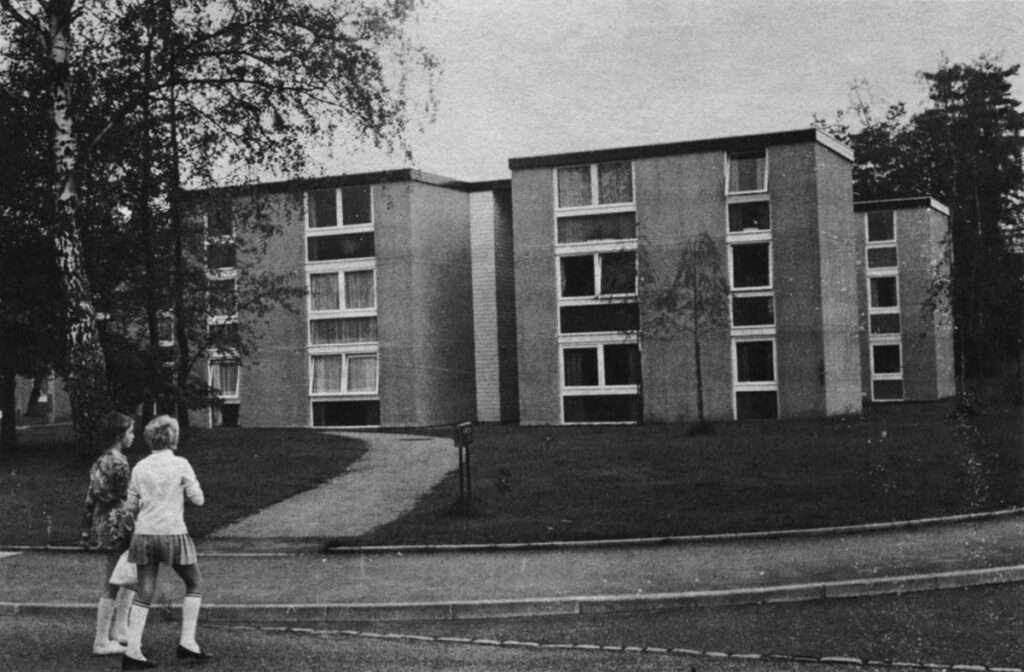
(464, 437)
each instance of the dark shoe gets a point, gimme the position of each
(129, 663)
(186, 654)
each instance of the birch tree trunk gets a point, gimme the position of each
(86, 366)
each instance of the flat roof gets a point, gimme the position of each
(735, 143)
(354, 179)
(901, 203)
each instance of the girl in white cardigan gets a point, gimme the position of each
(160, 486)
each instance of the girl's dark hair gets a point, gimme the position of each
(114, 425)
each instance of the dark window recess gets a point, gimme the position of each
(346, 413)
(224, 334)
(754, 361)
(355, 205)
(750, 266)
(884, 293)
(887, 358)
(621, 365)
(222, 296)
(751, 311)
(888, 390)
(578, 276)
(343, 330)
(347, 246)
(220, 255)
(323, 208)
(603, 408)
(618, 273)
(881, 226)
(757, 405)
(229, 415)
(219, 219)
(580, 366)
(615, 226)
(746, 171)
(605, 317)
(888, 323)
(749, 216)
(881, 257)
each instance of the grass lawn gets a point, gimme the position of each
(42, 486)
(894, 462)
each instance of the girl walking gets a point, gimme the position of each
(160, 486)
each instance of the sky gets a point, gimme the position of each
(530, 77)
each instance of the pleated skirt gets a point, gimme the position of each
(169, 549)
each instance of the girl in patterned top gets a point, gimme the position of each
(107, 527)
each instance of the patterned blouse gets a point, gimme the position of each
(106, 524)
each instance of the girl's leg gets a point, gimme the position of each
(140, 610)
(102, 645)
(187, 645)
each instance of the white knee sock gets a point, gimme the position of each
(189, 618)
(136, 625)
(101, 644)
(123, 605)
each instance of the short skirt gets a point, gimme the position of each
(169, 549)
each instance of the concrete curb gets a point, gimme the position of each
(556, 606)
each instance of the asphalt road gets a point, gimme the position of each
(979, 627)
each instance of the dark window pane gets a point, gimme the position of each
(581, 366)
(573, 186)
(355, 205)
(749, 311)
(220, 255)
(608, 317)
(616, 226)
(578, 276)
(605, 408)
(888, 323)
(881, 226)
(615, 182)
(351, 246)
(754, 361)
(887, 358)
(323, 208)
(746, 172)
(757, 405)
(218, 219)
(228, 415)
(221, 296)
(346, 413)
(888, 390)
(881, 257)
(883, 293)
(224, 334)
(621, 365)
(749, 216)
(750, 266)
(347, 330)
(618, 273)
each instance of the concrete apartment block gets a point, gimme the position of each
(907, 347)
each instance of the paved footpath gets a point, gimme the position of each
(382, 584)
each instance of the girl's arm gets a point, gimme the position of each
(190, 484)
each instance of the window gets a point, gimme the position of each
(613, 272)
(884, 292)
(751, 265)
(884, 332)
(165, 328)
(219, 221)
(619, 317)
(346, 413)
(221, 296)
(341, 290)
(601, 365)
(344, 373)
(882, 257)
(585, 228)
(885, 358)
(749, 216)
(595, 184)
(356, 206)
(747, 172)
(881, 226)
(350, 246)
(224, 377)
(885, 323)
(755, 361)
(220, 254)
(753, 310)
(755, 384)
(343, 330)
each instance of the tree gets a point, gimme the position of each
(693, 302)
(963, 148)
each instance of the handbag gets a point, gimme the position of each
(125, 573)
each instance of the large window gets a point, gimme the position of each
(751, 266)
(595, 184)
(355, 207)
(344, 373)
(755, 381)
(884, 319)
(224, 377)
(747, 172)
(749, 216)
(599, 274)
(601, 382)
(338, 290)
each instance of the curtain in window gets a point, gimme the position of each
(615, 182)
(618, 273)
(323, 288)
(224, 377)
(573, 186)
(359, 289)
(362, 373)
(346, 330)
(327, 373)
(581, 366)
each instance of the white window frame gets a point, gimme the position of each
(752, 329)
(883, 274)
(749, 234)
(596, 252)
(754, 386)
(595, 206)
(727, 156)
(881, 244)
(339, 214)
(599, 343)
(210, 241)
(346, 353)
(339, 271)
(749, 241)
(213, 360)
(220, 276)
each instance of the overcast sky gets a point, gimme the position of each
(527, 77)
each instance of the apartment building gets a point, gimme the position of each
(779, 210)
(907, 344)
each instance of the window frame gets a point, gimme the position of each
(219, 360)
(728, 156)
(339, 213)
(346, 353)
(601, 387)
(754, 386)
(750, 242)
(597, 254)
(595, 206)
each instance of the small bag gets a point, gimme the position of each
(125, 573)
